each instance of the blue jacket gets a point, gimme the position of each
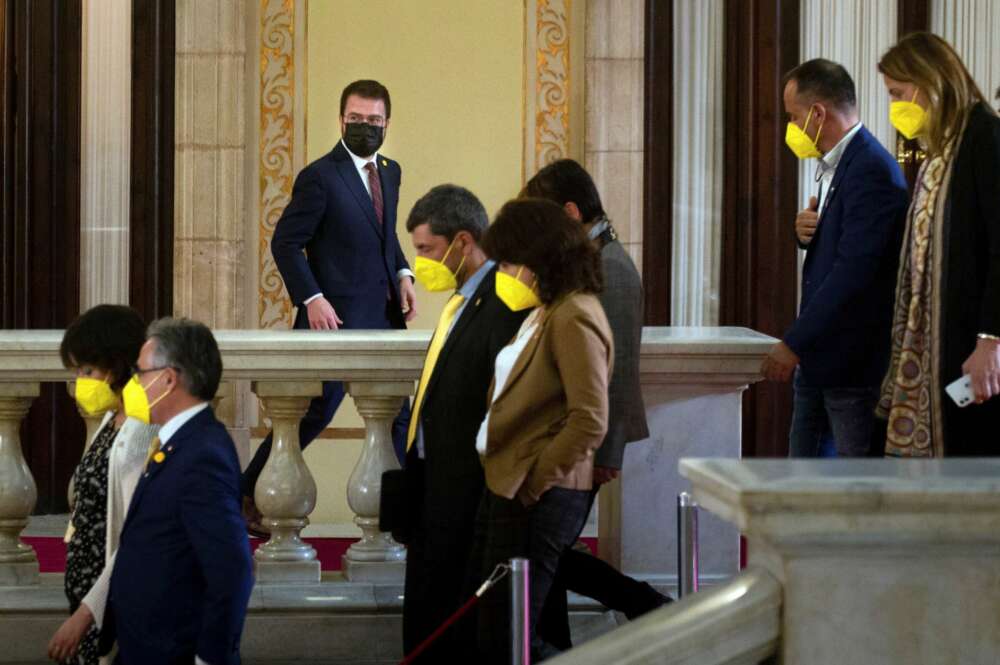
(842, 333)
(349, 257)
(183, 573)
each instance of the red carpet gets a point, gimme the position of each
(52, 551)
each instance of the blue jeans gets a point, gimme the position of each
(824, 420)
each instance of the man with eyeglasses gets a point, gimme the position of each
(338, 254)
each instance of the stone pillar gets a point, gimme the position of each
(376, 557)
(18, 563)
(286, 491)
(613, 151)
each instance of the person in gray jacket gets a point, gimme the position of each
(567, 183)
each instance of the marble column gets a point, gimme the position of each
(376, 557)
(613, 149)
(286, 491)
(18, 493)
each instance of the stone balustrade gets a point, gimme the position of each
(682, 368)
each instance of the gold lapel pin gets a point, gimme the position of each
(159, 457)
(385, 162)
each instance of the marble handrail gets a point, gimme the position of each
(738, 622)
(379, 369)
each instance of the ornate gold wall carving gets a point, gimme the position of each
(277, 142)
(553, 61)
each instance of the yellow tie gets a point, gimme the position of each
(433, 351)
(154, 446)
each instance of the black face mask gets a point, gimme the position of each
(363, 139)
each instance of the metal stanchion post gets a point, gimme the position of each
(520, 610)
(687, 545)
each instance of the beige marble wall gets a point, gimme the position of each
(210, 199)
(211, 235)
(614, 112)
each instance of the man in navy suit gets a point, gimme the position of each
(337, 250)
(838, 347)
(182, 574)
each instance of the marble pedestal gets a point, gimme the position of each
(693, 381)
(881, 561)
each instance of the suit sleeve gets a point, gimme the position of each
(293, 232)
(622, 304)
(581, 354)
(211, 518)
(987, 159)
(401, 263)
(869, 223)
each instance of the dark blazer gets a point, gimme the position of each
(622, 303)
(849, 278)
(455, 402)
(970, 283)
(182, 574)
(448, 483)
(349, 257)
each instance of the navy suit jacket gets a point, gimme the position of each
(348, 256)
(183, 573)
(842, 333)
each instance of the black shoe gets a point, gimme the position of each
(647, 600)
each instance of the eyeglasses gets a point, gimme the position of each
(376, 120)
(139, 372)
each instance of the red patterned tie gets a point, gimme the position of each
(376, 188)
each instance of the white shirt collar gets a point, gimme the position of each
(828, 162)
(360, 162)
(171, 426)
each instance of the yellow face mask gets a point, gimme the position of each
(435, 275)
(909, 118)
(137, 402)
(514, 293)
(94, 396)
(800, 143)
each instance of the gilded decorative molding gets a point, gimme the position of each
(552, 82)
(553, 109)
(276, 148)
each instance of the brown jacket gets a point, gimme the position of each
(553, 412)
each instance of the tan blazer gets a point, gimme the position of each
(553, 412)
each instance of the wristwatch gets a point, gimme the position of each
(988, 336)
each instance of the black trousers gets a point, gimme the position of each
(540, 533)
(437, 559)
(585, 574)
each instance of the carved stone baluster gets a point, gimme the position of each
(18, 493)
(376, 557)
(286, 491)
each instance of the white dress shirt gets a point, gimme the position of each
(360, 163)
(503, 365)
(827, 166)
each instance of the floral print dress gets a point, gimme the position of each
(85, 552)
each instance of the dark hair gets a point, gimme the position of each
(563, 181)
(449, 209)
(823, 80)
(190, 348)
(369, 90)
(108, 337)
(540, 235)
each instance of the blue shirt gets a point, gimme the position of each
(466, 291)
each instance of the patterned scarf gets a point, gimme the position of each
(911, 398)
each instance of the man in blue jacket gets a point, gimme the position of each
(838, 347)
(182, 573)
(338, 254)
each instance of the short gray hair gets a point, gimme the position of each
(449, 209)
(189, 348)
